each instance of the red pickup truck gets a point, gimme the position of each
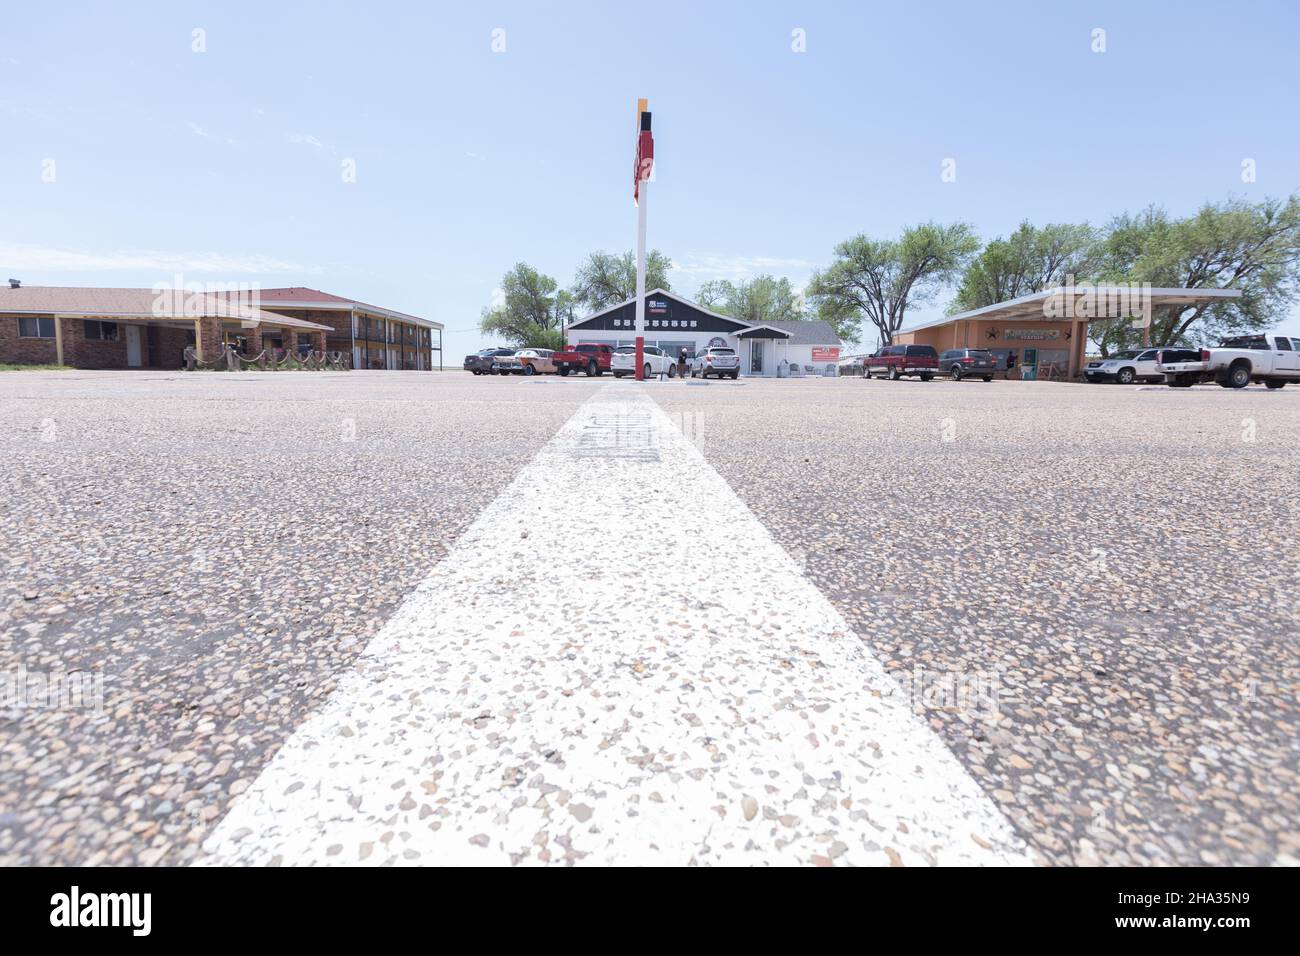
(895, 361)
(589, 357)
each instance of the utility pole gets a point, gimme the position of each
(645, 154)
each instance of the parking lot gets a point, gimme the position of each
(1088, 595)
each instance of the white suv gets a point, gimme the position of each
(654, 361)
(1127, 367)
(716, 360)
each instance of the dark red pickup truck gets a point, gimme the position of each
(588, 357)
(895, 361)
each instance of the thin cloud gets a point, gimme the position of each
(704, 268)
(202, 133)
(46, 259)
(305, 139)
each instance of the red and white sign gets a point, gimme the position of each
(826, 355)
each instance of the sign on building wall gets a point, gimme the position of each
(826, 355)
(717, 342)
(1037, 335)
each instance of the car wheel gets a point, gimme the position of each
(672, 371)
(1180, 382)
(618, 374)
(645, 370)
(1239, 375)
(592, 369)
(956, 373)
(926, 376)
(529, 370)
(563, 370)
(1125, 376)
(987, 378)
(892, 374)
(1274, 384)
(735, 375)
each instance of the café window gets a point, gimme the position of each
(36, 328)
(101, 331)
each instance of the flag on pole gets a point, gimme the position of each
(645, 151)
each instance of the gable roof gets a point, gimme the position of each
(662, 292)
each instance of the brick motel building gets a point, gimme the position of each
(143, 328)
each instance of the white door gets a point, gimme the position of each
(133, 350)
(1286, 359)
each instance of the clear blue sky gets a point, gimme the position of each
(226, 165)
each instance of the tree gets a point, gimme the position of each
(1254, 247)
(879, 279)
(530, 314)
(606, 279)
(761, 299)
(1028, 261)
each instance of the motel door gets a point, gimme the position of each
(134, 358)
(756, 356)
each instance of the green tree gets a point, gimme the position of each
(1029, 260)
(880, 278)
(760, 299)
(605, 279)
(1254, 247)
(531, 314)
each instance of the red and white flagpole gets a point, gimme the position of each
(645, 152)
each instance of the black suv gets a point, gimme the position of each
(962, 362)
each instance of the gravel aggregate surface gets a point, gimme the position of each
(214, 550)
(1092, 592)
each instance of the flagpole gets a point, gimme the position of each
(640, 279)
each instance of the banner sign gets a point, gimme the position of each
(1040, 335)
(826, 355)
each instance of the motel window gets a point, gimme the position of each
(101, 331)
(36, 328)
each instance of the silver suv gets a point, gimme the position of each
(716, 360)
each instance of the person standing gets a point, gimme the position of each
(681, 363)
(1011, 362)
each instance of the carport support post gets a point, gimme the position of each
(640, 277)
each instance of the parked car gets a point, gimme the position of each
(480, 363)
(1126, 367)
(716, 360)
(962, 362)
(653, 360)
(1238, 361)
(526, 362)
(590, 357)
(895, 361)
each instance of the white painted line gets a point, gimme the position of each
(646, 678)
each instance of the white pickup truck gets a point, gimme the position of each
(1238, 361)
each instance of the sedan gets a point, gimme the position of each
(526, 362)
